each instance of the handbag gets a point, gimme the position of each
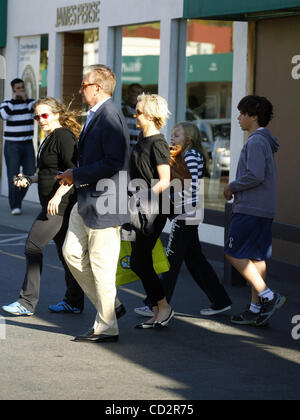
(143, 208)
(179, 169)
(126, 275)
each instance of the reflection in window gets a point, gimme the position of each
(209, 54)
(140, 63)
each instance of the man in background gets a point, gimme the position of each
(128, 109)
(18, 135)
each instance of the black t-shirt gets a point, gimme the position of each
(57, 153)
(147, 154)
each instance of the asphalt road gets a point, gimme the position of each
(195, 358)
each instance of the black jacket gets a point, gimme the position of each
(57, 153)
(102, 174)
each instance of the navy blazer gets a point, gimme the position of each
(103, 169)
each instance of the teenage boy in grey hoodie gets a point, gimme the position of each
(249, 241)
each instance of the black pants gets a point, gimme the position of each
(184, 246)
(44, 229)
(142, 263)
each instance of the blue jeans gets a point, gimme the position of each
(17, 154)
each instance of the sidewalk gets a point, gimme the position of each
(22, 222)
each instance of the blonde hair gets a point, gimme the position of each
(155, 107)
(67, 118)
(192, 133)
(103, 76)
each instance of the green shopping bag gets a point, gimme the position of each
(124, 272)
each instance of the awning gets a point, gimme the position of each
(200, 68)
(3, 22)
(238, 9)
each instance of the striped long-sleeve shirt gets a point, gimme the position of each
(195, 163)
(190, 199)
(18, 116)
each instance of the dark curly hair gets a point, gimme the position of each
(257, 105)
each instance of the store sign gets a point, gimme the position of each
(78, 14)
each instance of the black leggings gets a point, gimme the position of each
(184, 246)
(44, 229)
(142, 263)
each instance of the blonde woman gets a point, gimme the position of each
(150, 160)
(56, 154)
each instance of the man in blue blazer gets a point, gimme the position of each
(92, 244)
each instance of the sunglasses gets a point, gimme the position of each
(38, 117)
(85, 85)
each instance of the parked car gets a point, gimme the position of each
(215, 137)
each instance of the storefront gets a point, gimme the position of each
(190, 52)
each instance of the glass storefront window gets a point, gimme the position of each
(140, 66)
(209, 54)
(90, 48)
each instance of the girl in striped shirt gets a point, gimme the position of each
(184, 244)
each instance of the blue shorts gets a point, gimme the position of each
(249, 237)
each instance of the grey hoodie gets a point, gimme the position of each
(255, 187)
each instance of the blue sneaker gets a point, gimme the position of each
(16, 309)
(63, 307)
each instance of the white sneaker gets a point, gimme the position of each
(16, 309)
(144, 311)
(16, 212)
(211, 311)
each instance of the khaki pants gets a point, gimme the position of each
(92, 256)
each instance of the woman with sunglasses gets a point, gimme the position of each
(56, 154)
